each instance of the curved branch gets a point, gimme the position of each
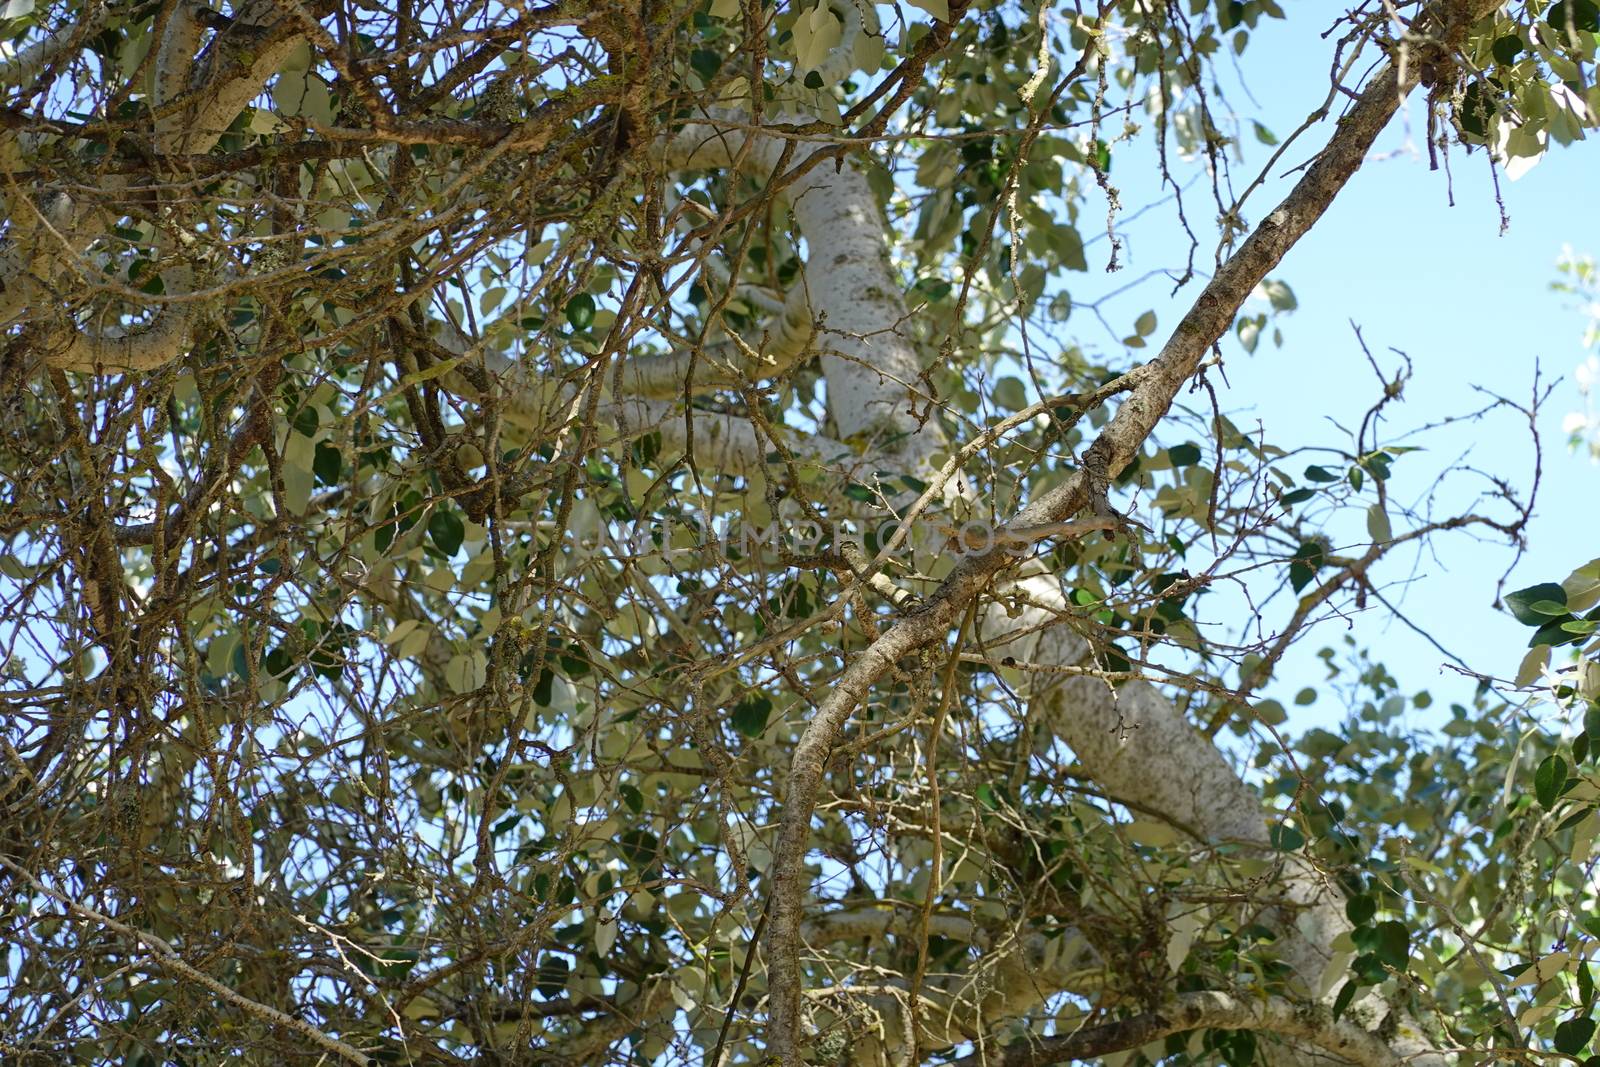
(175, 63)
(29, 63)
(605, 1032)
(139, 348)
(1140, 748)
(1194, 1011)
(169, 957)
(1137, 416)
(852, 292)
(191, 114)
(730, 362)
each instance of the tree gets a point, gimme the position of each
(579, 534)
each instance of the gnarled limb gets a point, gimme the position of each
(1195, 1011)
(1142, 408)
(168, 957)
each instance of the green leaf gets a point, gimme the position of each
(1506, 49)
(447, 530)
(1010, 393)
(327, 464)
(328, 658)
(1238, 1047)
(750, 715)
(1583, 16)
(1281, 296)
(639, 847)
(1549, 780)
(580, 311)
(1186, 455)
(1360, 909)
(430, 372)
(1576, 817)
(1368, 969)
(1067, 244)
(1521, 603)
(857, 491)
(277, 662)
(1303, 567)
(1533, 665)
(1320, 474)
(1378, 525)
(1347, 993)
(1249, 330)
(552, 972)
(464, 673)
(1286, 837)
(1573, 1035)
(544, 690)
(1394, 944)
(1555, 633)
(705, 63)
(1145, 324)
(1475, 109)
(1378, 463)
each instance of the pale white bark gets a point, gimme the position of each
(202, 96)
(869, 361)
(1132, 741)
(40, 241)
(1205, 786)
(730, 442)
(31, 62)
(1143, 751)
(27, 253)
(194, 101)
(790, 337)
(175, 65)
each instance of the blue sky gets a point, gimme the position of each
(1468, 305)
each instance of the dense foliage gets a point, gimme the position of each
(512, 549)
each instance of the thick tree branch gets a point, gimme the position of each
(1138, 414)
(168, 957)
(1195, 1011)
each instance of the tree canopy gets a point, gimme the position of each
(591, 533)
